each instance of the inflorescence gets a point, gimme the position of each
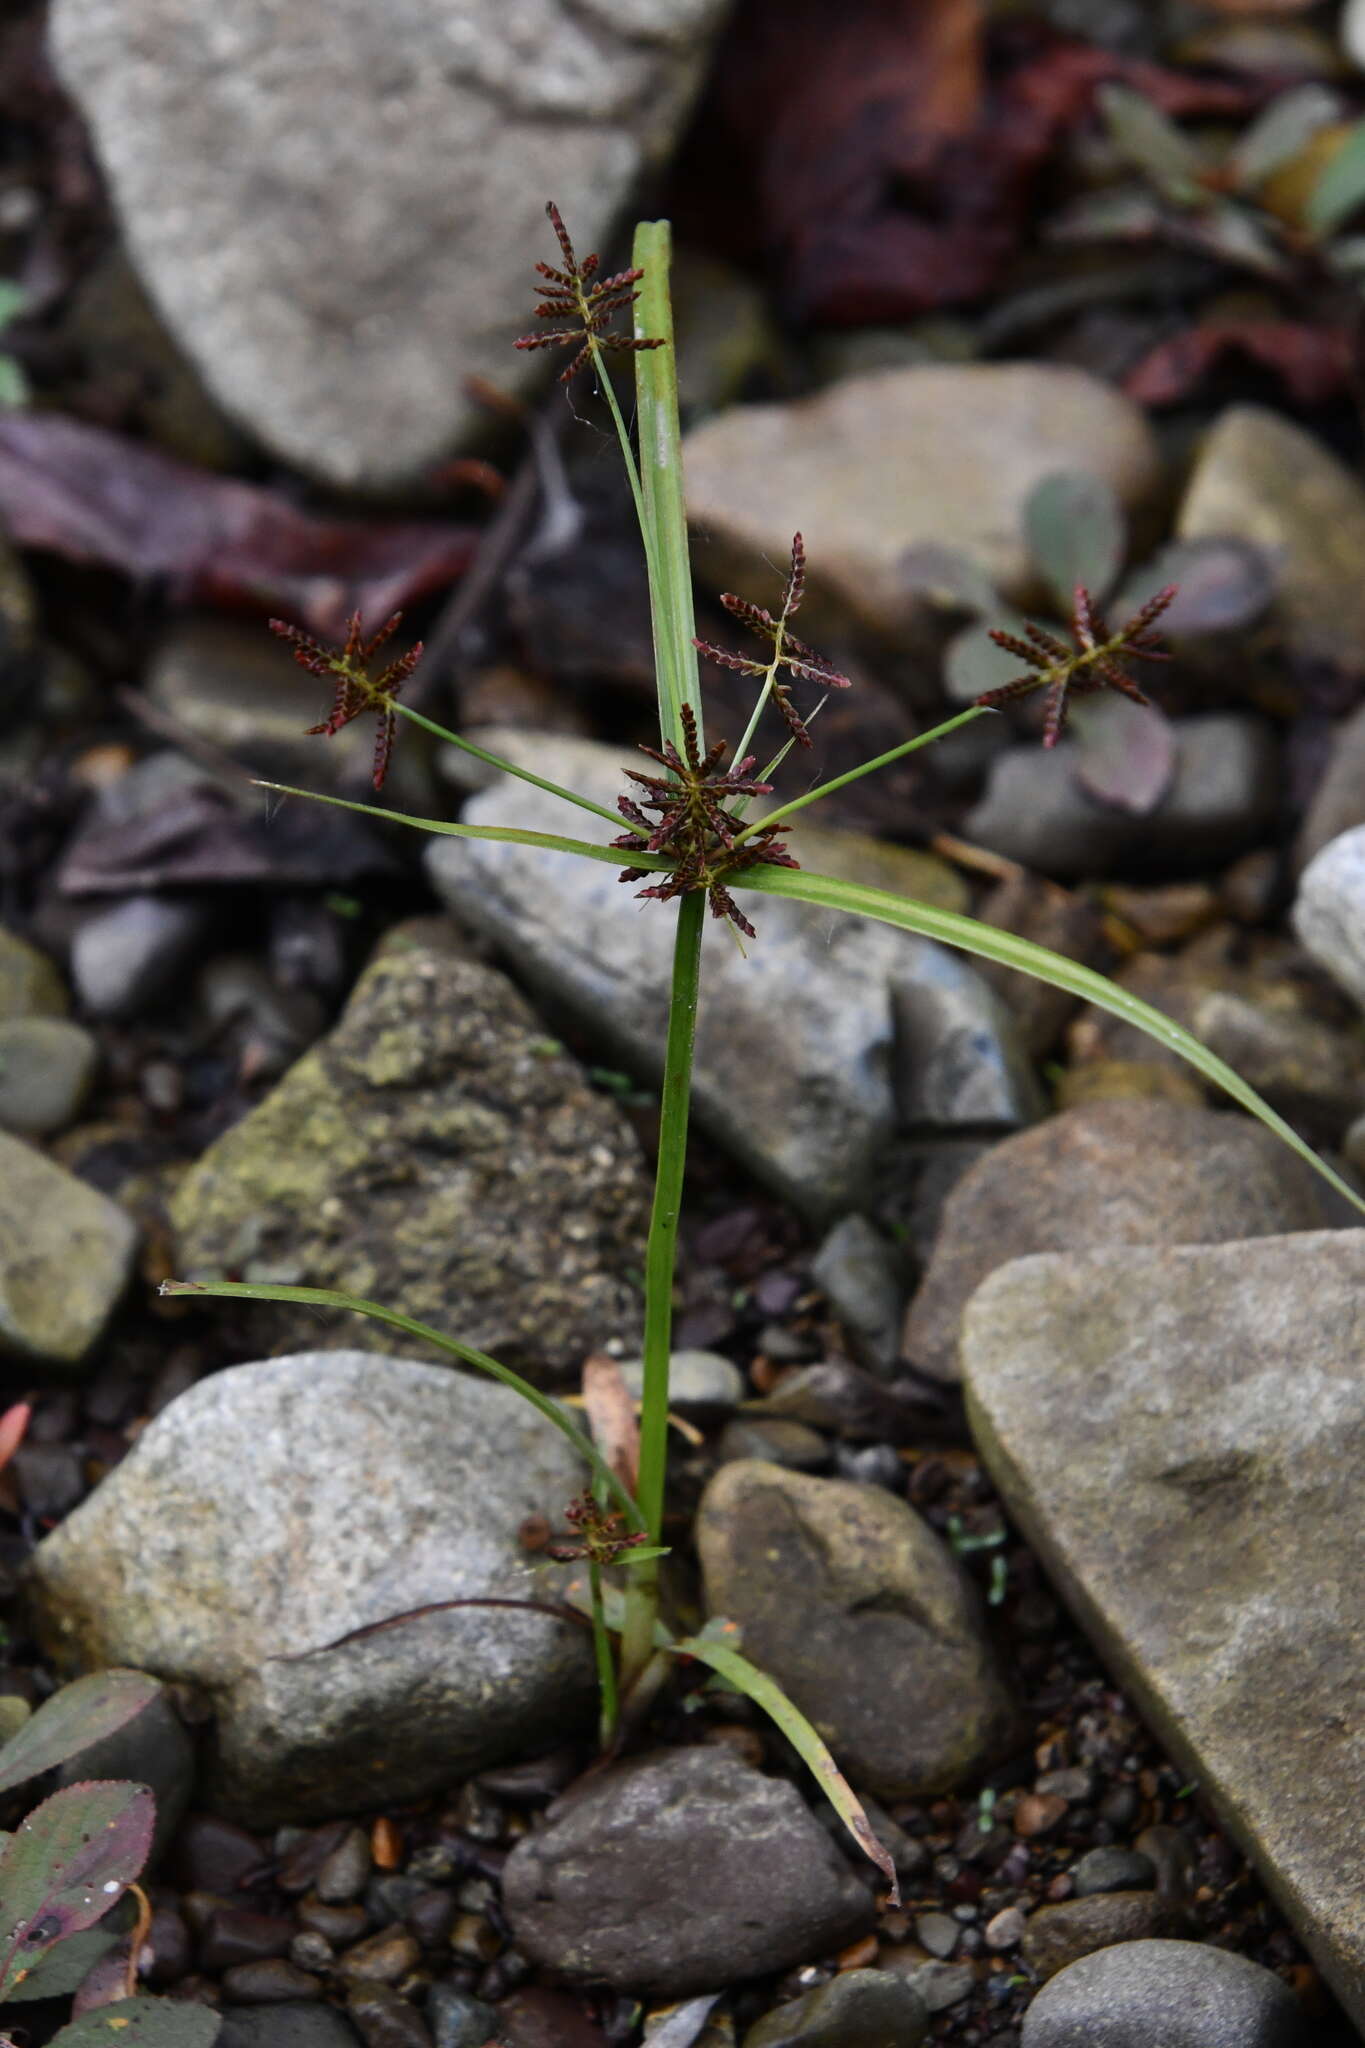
(1091, 666)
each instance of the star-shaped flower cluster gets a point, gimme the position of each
(1092, 665)
(693, 826)
(571, 295)
(348, 668)
(788, 652)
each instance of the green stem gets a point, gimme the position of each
(813, 796)
(441, 732)
(642, 1598)
(606, 1664)
(661, 482)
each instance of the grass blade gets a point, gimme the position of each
(327, 1297)
(766, 1693)
(661, 483)
(984, 940)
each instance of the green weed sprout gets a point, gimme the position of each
(687, 839)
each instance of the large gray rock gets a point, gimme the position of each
(1123, 1173)
(277, 1506)
(1329, 914)
(879, 464)
(1166, 1994)
(680, 1871)
(1261, 478)
(794, 1039)
(1222, 794)
(66, 1256)
(336, 206)
(437, 1151)
(1179, 1434)
(859, 1612)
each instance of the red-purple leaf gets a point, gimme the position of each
(66, 1865)
(95, 496)
(1126, 756)
(1313, 363)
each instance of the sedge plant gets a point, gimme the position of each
(690, 840)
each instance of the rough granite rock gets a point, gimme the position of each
(336, 206)
(1116, 1172)
(859, 1612)
(1166, 1994)
(1261, 478)
(277, 1506)
(796, 1041)
(879, 464)
(439, 1152)
(1179, 1434)
(679, 1871)
(66, 1256)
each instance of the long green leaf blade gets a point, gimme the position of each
(766, 1693)
(971, 936)
(327, 1297)
(451, 828)
(661, 482)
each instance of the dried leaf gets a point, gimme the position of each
(66, 1864)
(1314, 363)
(1126, 755)
(82, 1713)
(1076, 533)
(611, 1417)
(94, 496)
(143, 2023)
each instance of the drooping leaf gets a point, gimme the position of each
(1313, 363)
(78, 1715)
(1126, 756)
(1076, 533)
(1341, 188)
(143, 2023)
(1222, 586)
(65, 1967)
(726, 1659)
(66, 1865)
(827, 892)
(96, 496)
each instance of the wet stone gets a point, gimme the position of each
(286, 2026)
(384, 2020)
(1180, 1993)
(856, 2009)
(385, 1958)
(457, 2019)
(265, 1983)
(343, 1873)
(235, 1935)
(216, 1855)
(775, 1440)
(863, 1278)
(339, 1925)
(940, 1986)
(1058, 1935)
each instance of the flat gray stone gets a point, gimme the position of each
(66, 1256)
(336, 207)
(1166, 1994)
(885, 462)
(1329, 914)
(794, 1037)
(1261, 478)
(863, 1617)
(609, 1888)
(438, 1151)
(1179, 1435)
(1121, 1172)
(46, 1067)
(277, 1506)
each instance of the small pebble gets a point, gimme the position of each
(775, 1439)
(1059, 1935)
(1112, 1870)
(1005, 1929)
(384, 2020)
(269, 1982)
(47, 1067)
(385, 1958)
(214, 1855)
(1172, 1854)
(1038, 1813)
(431, 1917)
(456, 2019)
(340, 1925)
(937, 1933)
(235, 1935)
(472, 1939)
(312, 1952)
(941, 1985)
(1075, 1785)
(345, 1872)
(857, 2009)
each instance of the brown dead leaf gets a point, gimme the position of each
(610, 1411)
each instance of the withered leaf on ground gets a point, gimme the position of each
(96, 496)
(1313, 363)
(884, 156)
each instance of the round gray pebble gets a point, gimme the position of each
(1179, 1994)
(46, 1067)
(457, 2019)
(1113, 1870)
(857, 2009)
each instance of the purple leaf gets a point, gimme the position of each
(1126, 755)
(66, 1865)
